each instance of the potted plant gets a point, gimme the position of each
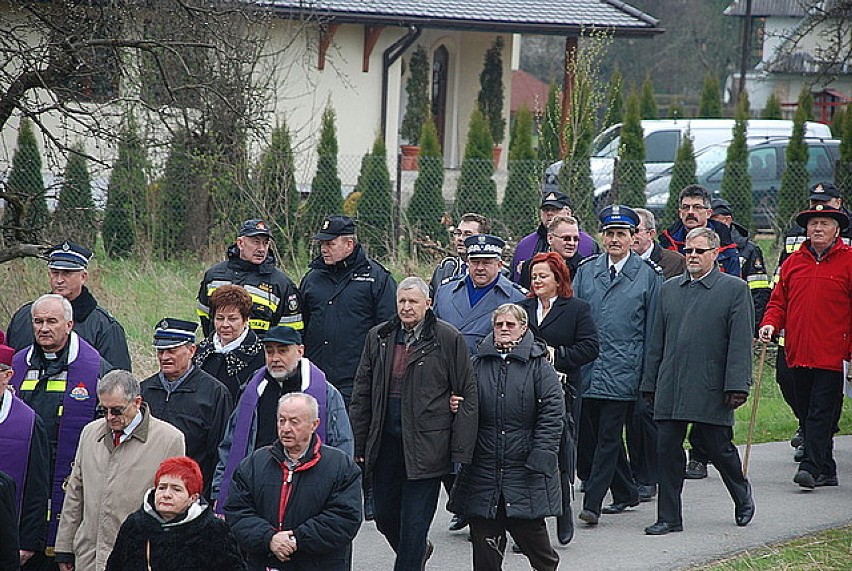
(417, 108)
(490, 98)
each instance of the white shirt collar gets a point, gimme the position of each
(618, 265)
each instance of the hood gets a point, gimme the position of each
(195, 510)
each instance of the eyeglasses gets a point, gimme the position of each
(113, 410)
(699, 251)
(693, 207)
(567, 238)
(459, 233)
(506, 324)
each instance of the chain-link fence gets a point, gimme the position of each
(194, 206)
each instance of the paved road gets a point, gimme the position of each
(784, 511)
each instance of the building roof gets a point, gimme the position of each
(553, 17)
(764, 8)
(529, 91)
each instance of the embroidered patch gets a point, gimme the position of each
(80, 392)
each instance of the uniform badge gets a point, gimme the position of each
(818, 188)
(79, 393)
(551, 196)
(325, 225)
(261, 225)
(819, 206)
(66, 247)
(164, 324)
(292, 302)
(481, 239)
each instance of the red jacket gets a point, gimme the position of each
(812, 302)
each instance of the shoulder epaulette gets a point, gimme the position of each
(588, 259)
(654, 266)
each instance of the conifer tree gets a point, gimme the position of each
(615, 100)
(548, 139)
(736, 182)
(126, 215)
(838, 122)
(843, 175)
(710, 106)
(476, 191)
(172, 197)
(683, 174)
(648, 105)
(74, 218)
(275, 184)
(427, 203)
(417, 89)
(772, 110)
(490, 98)
(792, 196)
(25, 218)
(630, 170)
(520, 204)
(326, 198)
(375, 207)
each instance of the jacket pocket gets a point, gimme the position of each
(542, 461)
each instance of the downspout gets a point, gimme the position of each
(389, 57)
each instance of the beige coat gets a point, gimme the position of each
(107, 484)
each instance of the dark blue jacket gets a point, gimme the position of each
(673, 237)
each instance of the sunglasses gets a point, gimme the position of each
(506, 324)
(567, 238)
(699, 251)
(113, 410)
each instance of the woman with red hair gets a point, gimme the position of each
(175, 527)
(565, 323)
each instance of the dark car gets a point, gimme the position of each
(766, 164)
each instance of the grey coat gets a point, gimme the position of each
(623, 310)
(700, 348)
(521, 408)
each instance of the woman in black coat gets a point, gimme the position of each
(565, 323)
(175, 529)
(512, 483)
(233, 352)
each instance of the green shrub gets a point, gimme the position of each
(476, 191)
(736, 182)
(427, 203)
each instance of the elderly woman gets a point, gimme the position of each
(513, 481)
(565, 323)
(175, 528)
(233, 351)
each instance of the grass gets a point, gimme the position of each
(824, 551)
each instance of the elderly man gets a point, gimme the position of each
(345, 294)
(253, 423)
(57, 377)
(114, 466)
(67, 266)
(622, 290)
(694, 210)
(563, 236)
(452, 267)
(699, 375)
(26, 460)
(826, 194)
(309, 520)
(406, 436)
(250, 264)
(811, 303)
(552, 205)
(644, 244)
(187, 397)
(466, 303)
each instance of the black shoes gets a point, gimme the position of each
(617, 508)
(824, 480)
(805, 479)
(662, 528)
(430, 548)
(458, 523)
(589, 517)
(798, 439)
(744, 511)
(647, 492)
(565, 525)
(695, 470)
(799, 454)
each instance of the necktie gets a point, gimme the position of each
(611, 273)
(116, 437)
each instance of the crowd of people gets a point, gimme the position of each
(304, 410)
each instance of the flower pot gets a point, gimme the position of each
(495, 154)
(409, 157)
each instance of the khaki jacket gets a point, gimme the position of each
(107, 484)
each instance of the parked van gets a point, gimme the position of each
(662, 139)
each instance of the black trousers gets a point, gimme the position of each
(787, 384)
(642, 442)
(489, 541)
(720, 448)
(610, 468)
(819, 393)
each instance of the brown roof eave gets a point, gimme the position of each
(462, 24)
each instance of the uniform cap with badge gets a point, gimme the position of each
(255, 227)
(484, 246)
(618, 216)
(555, 199)
(823, 211)
(823, 192)
(171, 332)
(69, 256)
(334, 226)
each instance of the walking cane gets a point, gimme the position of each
(760, 361)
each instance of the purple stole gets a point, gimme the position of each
(244, 421)
(16, 434)
(78, 409)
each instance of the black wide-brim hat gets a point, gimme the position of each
(823, 211)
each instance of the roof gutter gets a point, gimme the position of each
(389, 57)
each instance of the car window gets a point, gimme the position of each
(762, 164)
(661, 147)
(820, 166)
(606, 144)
